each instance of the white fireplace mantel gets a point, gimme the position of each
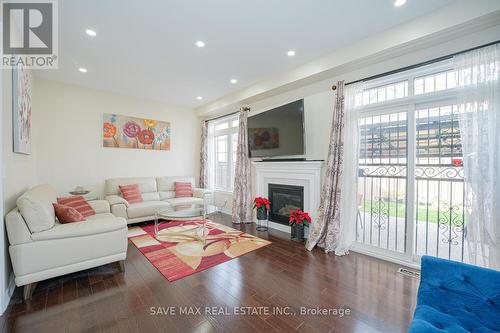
(298, 173)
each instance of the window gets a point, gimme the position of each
(381, 184)
(447, 79)
(384, 93)
(223, 139)
(435, 82)
(411, 189)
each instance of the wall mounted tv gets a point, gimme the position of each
(277, 132)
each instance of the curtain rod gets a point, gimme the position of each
(246, 108)
(428, 62)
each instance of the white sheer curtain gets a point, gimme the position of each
(349, 189)
(478, 102)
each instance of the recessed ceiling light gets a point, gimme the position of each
(199, 98)
(91, 32)
(83, 70)
(200, 43)
(233, 81)
(291, 53)
(399, 3)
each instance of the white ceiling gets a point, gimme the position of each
(147, 48)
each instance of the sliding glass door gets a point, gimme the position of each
(439, 182)
(382, 181)
(411, 192)
(410, 182)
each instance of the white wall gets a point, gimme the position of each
(318, 115)
(68, 138)
(18, 175)
(67, 147)
(19, 169)
(319, 98)
(318, 112)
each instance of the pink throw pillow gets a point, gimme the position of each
(79, 203)
(183, 189)
(131, 193)
(67, 214)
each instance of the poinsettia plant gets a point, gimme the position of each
(299, 217)
(260, 203)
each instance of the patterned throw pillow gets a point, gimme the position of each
(67, 214)
(79, 203)
(131, 193)
(183, 189)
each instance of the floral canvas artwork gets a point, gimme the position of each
(138, 133)
(21, 113)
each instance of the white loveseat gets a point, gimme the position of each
(158, 194)
(41, 247)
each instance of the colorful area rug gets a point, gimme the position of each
(178, 250)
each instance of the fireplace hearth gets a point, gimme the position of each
(283, 199)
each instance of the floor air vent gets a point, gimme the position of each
(410, 273)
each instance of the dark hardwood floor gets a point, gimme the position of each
(275, 277)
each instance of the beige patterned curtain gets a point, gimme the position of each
(204, 156)
(334, 229)
(242, 194)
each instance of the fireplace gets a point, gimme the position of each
(283, 199)
(302, 175)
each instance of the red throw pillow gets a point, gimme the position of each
(183, 189)
(79, 203)
(131, 193)
(67, 214)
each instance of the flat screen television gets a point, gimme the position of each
(277, 132)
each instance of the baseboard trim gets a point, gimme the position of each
(358, 249)
(280, 227)
(7, 295)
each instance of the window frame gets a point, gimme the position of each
(213, 135)
(409, 104)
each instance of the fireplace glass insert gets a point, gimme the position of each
(284, 198)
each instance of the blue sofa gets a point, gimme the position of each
(457, 298)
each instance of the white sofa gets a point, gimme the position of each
(158, 194)
(41, 248)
